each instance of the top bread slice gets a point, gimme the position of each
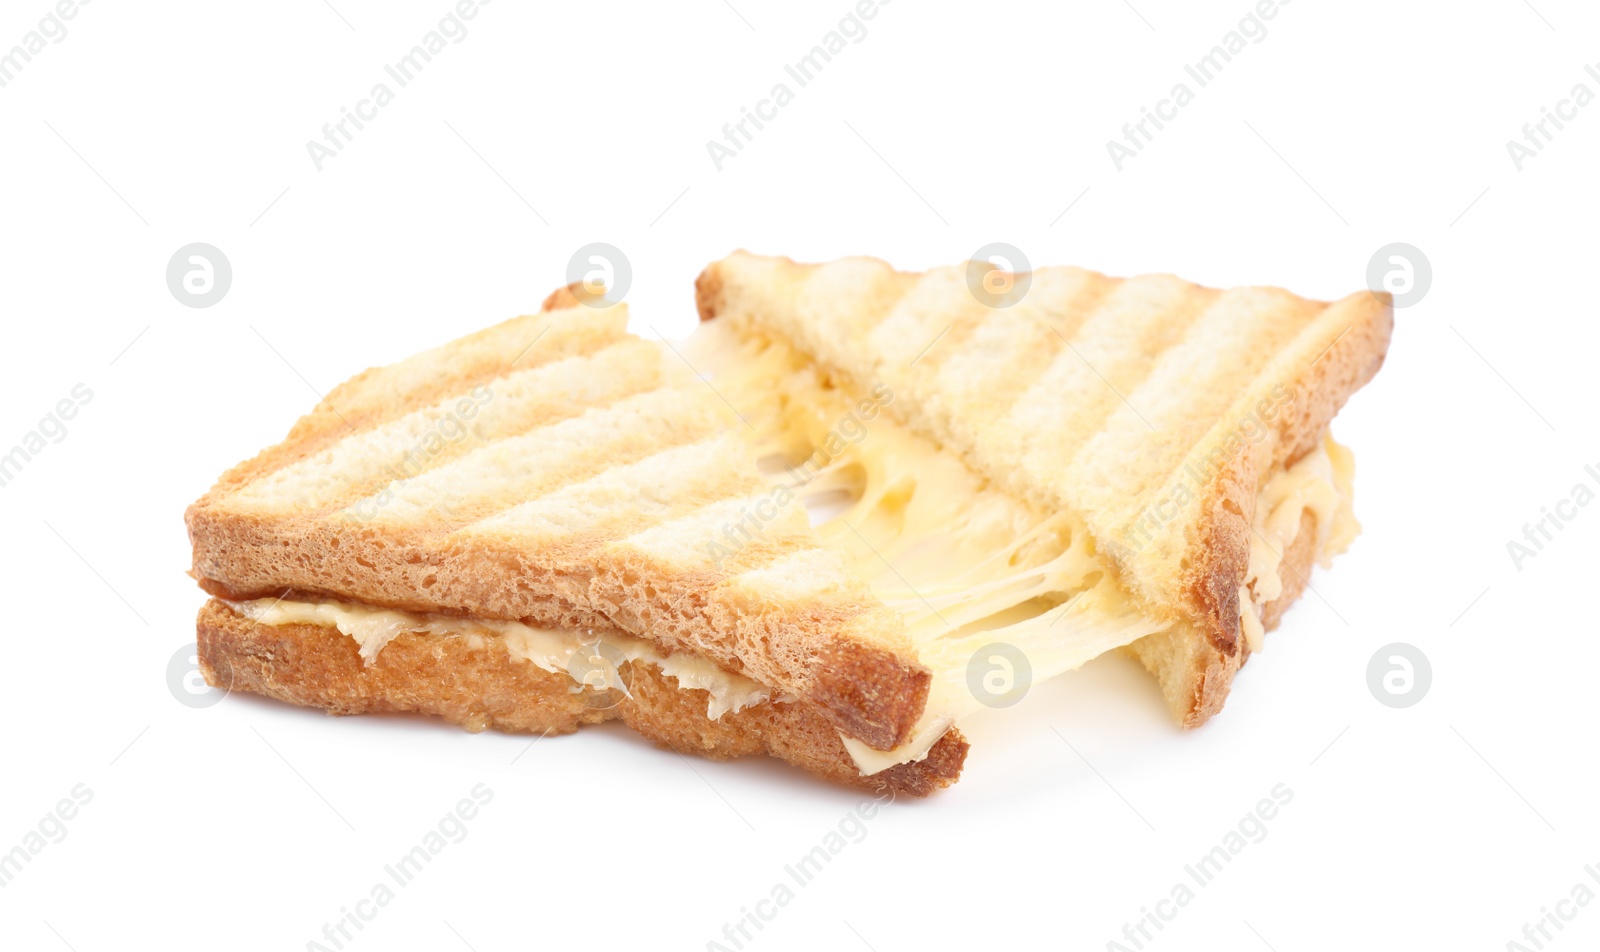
(1152, 408)
(555, 469)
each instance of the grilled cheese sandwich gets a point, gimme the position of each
(551, 523)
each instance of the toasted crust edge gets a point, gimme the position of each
(708, 291)
(1194, 673)
(1220, 541)
(562, 298)
(481, 686)
(870, 693)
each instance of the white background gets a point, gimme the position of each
(1350, 126)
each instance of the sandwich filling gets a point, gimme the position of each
(1319, 483)
(591, 660)
(994, 594)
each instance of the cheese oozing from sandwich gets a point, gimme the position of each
(995, 595)
(1321, 483)
(591, 661)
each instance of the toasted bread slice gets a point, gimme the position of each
(554, 468)
(1150, 410)
(473, 680)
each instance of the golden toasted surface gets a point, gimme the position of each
(554, 468)
(474, 682)
(1150, 407)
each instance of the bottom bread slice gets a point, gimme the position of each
(473, 681)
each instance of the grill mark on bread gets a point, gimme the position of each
(363, 463)
(621, 500)
(1089, 382)
(1012, 347)
(1189, 387)
(931, 320)
(381, 394)
(491, 482)
(522, 342)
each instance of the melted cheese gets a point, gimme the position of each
(968, 568)
(589, 662)
(1319, 483)
(1059, 640)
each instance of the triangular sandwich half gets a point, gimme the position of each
(550, 489)
(1065, 462)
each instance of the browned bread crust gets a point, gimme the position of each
(472, 681)
(1220, 538)
(562, 298)
(1195, 674)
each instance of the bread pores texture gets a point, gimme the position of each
(472, 681)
